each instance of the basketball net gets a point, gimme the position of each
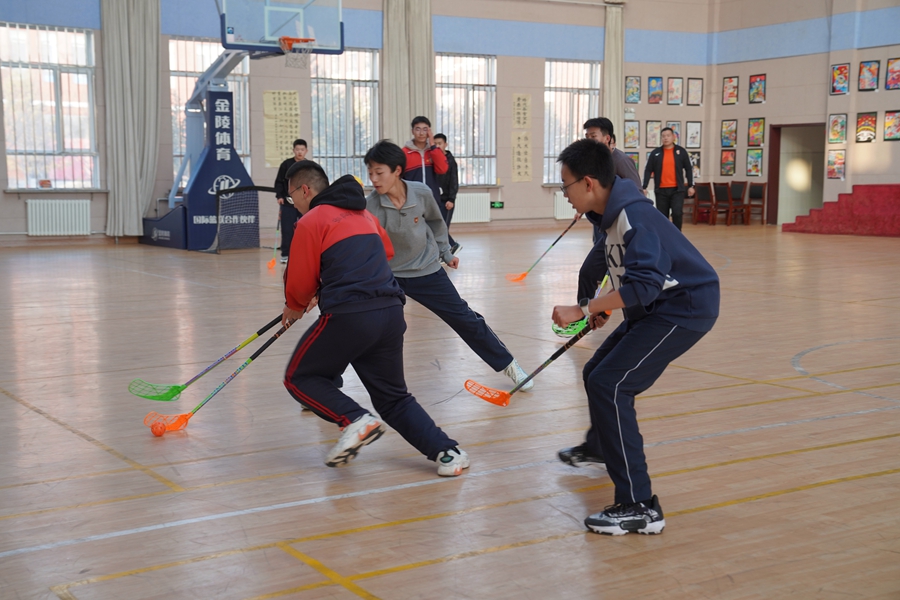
(296, 51)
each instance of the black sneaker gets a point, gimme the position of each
(455, 248)
(580, 456)
(620, 519)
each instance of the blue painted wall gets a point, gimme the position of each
(83, 14)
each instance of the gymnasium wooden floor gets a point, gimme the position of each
(774, 444)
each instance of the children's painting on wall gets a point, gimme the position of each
(653, 129)
(837, 129)
(729, 133)
(675, 126)
(676, 88)
(836, 164)
(636, 157)
(868, 75)
(692, 134)
(632, 134)
(695, 164)
(726, 163)
(730, 90)
(754, 162)
(892, 125)
(654, 90)
(865, 126)
(695, 92)
(756, 132)
(892, 78)
(840, 79)
(757, 89)
(632, 90)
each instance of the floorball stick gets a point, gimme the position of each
(521, 276)
(168, 393)
(160, 424)
(271, 263)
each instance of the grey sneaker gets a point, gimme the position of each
(515, 372)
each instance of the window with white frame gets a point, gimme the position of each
(466, 98)
(571, 97)
(188, 60)
(344, 110)
(47, 80)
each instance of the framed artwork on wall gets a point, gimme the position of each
(676, 89)
(730, 90)
(865, 127)
(869, 71)
(648, 155)
(837, 128)
(840, 79)
(757, 89)
(756, 132)
(892, 125)
(729, 133)
(653, 129)
(632, 134)
(693, 130)
(695, 92)
(695, 164)
(636, 157)
(654, 90)
(837, 160)
(726, 162)
(754, 162)
(632, 90)
(676, 129)
(892, 77)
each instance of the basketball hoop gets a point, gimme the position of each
(296, 51)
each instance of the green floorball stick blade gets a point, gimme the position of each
(155, 391)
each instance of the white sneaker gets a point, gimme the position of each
(515, 372)
(284, 260)
(451, 462)
(357, 434)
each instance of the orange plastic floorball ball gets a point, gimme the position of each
(158, 429)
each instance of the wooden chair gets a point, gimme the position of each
(689, 207)
(703, 203)
(738, 198)
(757, 202)
(725, 203)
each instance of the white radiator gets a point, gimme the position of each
(562, 210)
(59, 217)
(472, 208)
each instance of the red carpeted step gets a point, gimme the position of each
(868, 210)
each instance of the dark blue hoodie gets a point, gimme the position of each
(652, 265)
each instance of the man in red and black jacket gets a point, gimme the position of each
(424, 160)
(339, 259)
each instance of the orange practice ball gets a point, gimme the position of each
(158, 429)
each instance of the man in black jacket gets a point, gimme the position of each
(289, 214)
(449, 184)
(670, 165)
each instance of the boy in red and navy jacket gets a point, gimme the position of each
(424, 160)
(339, 259)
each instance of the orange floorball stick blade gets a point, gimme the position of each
(498, 397)
(271, 264)
(514, 277)
(172, 422)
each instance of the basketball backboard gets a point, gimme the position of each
(257, 25)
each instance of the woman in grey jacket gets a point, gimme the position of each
(407, 211)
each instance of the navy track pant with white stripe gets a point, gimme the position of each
(372, 342)
(628, 362)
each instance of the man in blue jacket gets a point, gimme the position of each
(670, 297)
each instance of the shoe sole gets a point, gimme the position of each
(457, 471)
(654, 528)
(579, 464)
(375, 431)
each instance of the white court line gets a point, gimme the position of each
(405, 486)
(795, 362)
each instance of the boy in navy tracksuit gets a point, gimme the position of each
(670, 297)
(340, 256)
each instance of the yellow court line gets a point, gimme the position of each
(69, 478)
(334, 576)
(43, 511)
(97, 443)
(465, 511)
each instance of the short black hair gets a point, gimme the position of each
(667, 129)
(420, 119)
(612, 137)
(587, 158)
(440, 136)
(308, 173)
(386, 152)
(299, 142)
(601, 123)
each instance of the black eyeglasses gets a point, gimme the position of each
(564, 187)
